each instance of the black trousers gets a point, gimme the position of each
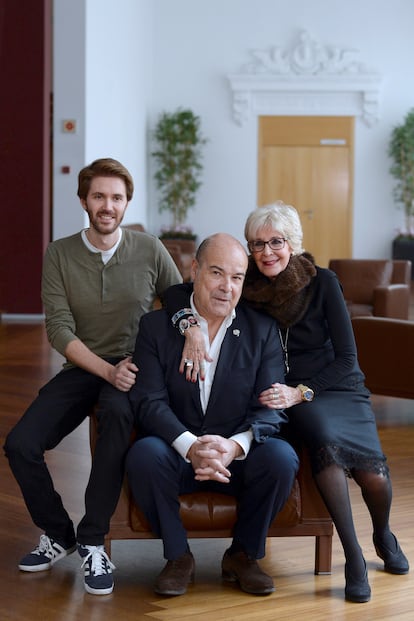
(61, 406)
(261, 483)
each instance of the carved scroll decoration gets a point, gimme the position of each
(307, 79)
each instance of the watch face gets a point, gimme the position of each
(306, 392)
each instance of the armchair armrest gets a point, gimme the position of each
(392, 301)
(385, 349)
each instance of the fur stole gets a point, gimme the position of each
(286, 297)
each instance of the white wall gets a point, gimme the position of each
(103, 80)
(69, 103)
(177, 53)
(198, 43)
(119, 83)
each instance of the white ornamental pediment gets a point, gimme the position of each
(306, 79)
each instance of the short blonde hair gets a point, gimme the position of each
(279, 216)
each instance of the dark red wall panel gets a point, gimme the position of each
(25, 85)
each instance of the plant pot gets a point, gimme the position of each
(403, 248)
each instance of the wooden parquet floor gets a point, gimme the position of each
(26, 362)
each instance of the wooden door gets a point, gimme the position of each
(307, 162)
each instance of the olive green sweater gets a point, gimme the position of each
(102, 304)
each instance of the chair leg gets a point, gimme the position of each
(323, 554)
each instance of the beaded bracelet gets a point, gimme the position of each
(183, 312)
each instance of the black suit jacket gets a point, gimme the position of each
(166, 404)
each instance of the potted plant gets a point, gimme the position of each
(178, 156)
(401, 150)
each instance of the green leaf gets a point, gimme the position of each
(401, 151)
(178, 156)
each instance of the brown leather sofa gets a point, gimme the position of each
(212, 515)
(386, 354)
(379, 288)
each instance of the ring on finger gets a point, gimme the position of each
(188, 363)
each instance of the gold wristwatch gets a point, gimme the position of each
(306, 392)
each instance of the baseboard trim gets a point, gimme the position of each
(21, 318)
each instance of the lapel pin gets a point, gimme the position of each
(236, 332)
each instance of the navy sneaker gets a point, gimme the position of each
(47, 553)
(98, 570)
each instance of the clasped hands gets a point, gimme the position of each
(210, 455)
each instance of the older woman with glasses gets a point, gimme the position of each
(328, 404)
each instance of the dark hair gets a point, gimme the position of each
(104, 167)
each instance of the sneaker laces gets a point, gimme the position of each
(44, 548)
(99, 560)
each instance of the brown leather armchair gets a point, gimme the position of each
(212, 515)
(385, 353)
(375, 287)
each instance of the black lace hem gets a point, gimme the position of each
(348, 460)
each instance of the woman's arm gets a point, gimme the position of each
(176, 301)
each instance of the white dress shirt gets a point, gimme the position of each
(185, 440)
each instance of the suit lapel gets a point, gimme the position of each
(228, 352)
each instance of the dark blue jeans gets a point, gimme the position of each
(261, 483)
(61, 406)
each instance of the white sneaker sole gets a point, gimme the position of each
(93, 591)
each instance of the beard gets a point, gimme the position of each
(104, 227)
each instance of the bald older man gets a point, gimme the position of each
(212, 434)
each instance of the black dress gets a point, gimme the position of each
(338, 426)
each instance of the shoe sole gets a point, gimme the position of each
(46, 566)
(396, 571)
(176, 591)
(93, 591)
(357, 600)
(34, 568)
(170, 593)
(227, 577)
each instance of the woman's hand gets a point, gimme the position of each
(280, 396)
(194, 354)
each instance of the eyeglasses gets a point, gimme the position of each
(258, 245)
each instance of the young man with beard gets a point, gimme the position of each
(96, 285)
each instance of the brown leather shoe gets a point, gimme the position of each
(176, 575)
(244, 570)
